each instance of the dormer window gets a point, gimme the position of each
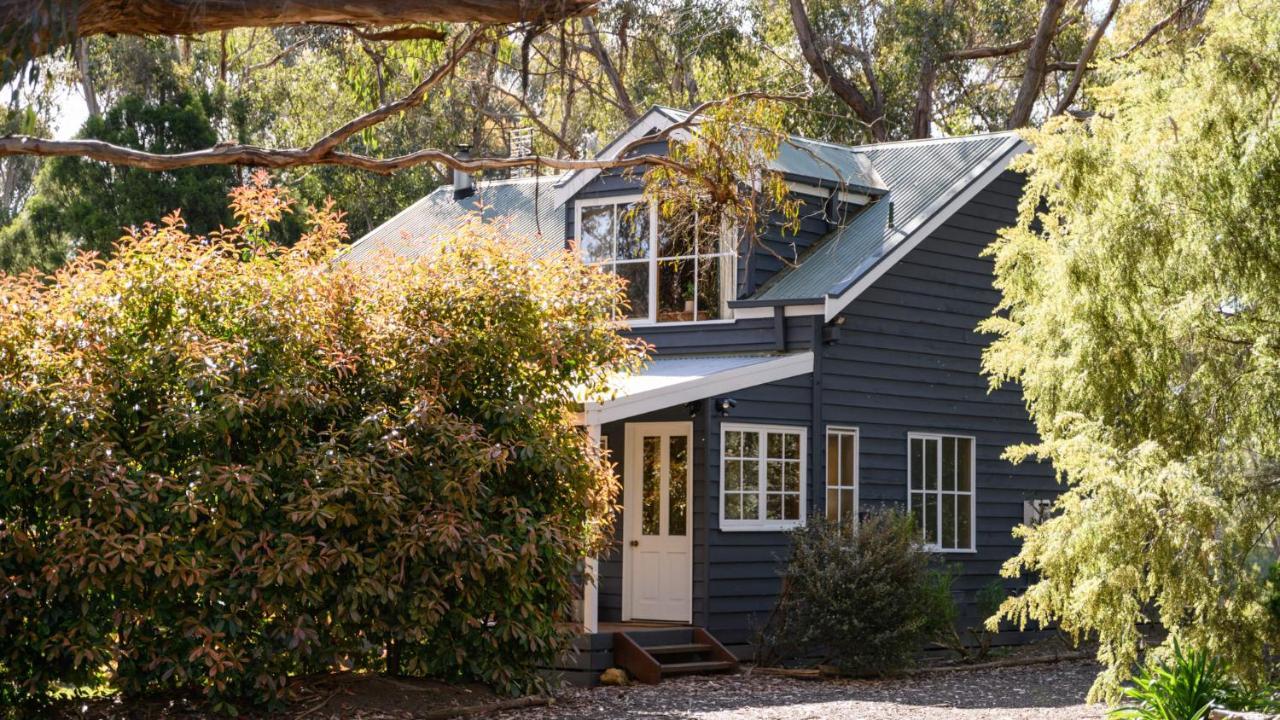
(675, 271)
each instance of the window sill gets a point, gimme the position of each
(954, 551)
(645, 324)
(740, 526)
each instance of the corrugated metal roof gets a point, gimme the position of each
(923, 176)
(839, 165)
(509, 204)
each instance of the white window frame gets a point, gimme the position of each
(730, 259)
(939, 492)
(761, 522)
(842, 431)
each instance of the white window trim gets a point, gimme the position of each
(857, 470)
(764, 524)
(730, 258)
(973, 490)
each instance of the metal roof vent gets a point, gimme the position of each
(463, 184)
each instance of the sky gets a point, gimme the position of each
(72, 112)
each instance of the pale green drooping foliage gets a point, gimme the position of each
(1141, 315)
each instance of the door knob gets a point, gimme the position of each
(635, 543)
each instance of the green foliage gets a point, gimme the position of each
(1141, 295)
(84, 205)
(975, 644)
(1186, 687)
(864, 603)
(1273, 591)
(227, 462)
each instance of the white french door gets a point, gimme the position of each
(657, 522)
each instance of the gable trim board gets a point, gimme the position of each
(653, 121)
(757, 370)
(965, 190)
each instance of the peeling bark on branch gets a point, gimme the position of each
(1036, 69)
(31, 28)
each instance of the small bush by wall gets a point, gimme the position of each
(857, 599)
(226, 463)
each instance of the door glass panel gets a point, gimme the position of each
(651, 487)
(677, 485)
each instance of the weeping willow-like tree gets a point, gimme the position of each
(1141, 316)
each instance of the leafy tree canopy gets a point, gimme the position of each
(1140, 315)
(85, 205)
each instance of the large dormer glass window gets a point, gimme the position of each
(679, 270)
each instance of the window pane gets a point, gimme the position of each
(751, 506)
(847, 506)
(917, 511)
(732, 475)
(930, 464)
(710, 282)
(917, 463)
(949, 521)
(676, 235)
(651, 487)
(964, 463)
(791, 507)
(597, 233)
(948, 463)
(675, 290)
(633, 231)
(847, 457)
(732, 506)
(773, 509)
(791, 477)
(751, 445)
(733, 443)
(636, 274)
(833, 504)
(750, 475)
(964, 522)
(833, 460)
(931, 519)
(677, 483)
(774, 447)
(773, 476)
(791, 446)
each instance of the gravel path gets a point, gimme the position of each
(1043, 692)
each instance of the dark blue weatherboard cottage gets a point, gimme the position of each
(825, 371)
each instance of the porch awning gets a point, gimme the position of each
(668, 381)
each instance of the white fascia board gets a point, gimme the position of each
(965, 190)
(781, 368)
(766, 311)
(650, 122)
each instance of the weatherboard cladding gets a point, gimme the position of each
(922, 177)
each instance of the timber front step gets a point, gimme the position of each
(651, 656)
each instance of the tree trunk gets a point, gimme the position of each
(1086, 57)
(922, 118)
(870, 114)
(1036, 68)
(86, 80)
(610, 70)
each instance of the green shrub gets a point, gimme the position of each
(227, 463)
(975, 644)
(858, 601)
(1185, 687)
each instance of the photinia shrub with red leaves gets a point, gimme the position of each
(225, 463)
